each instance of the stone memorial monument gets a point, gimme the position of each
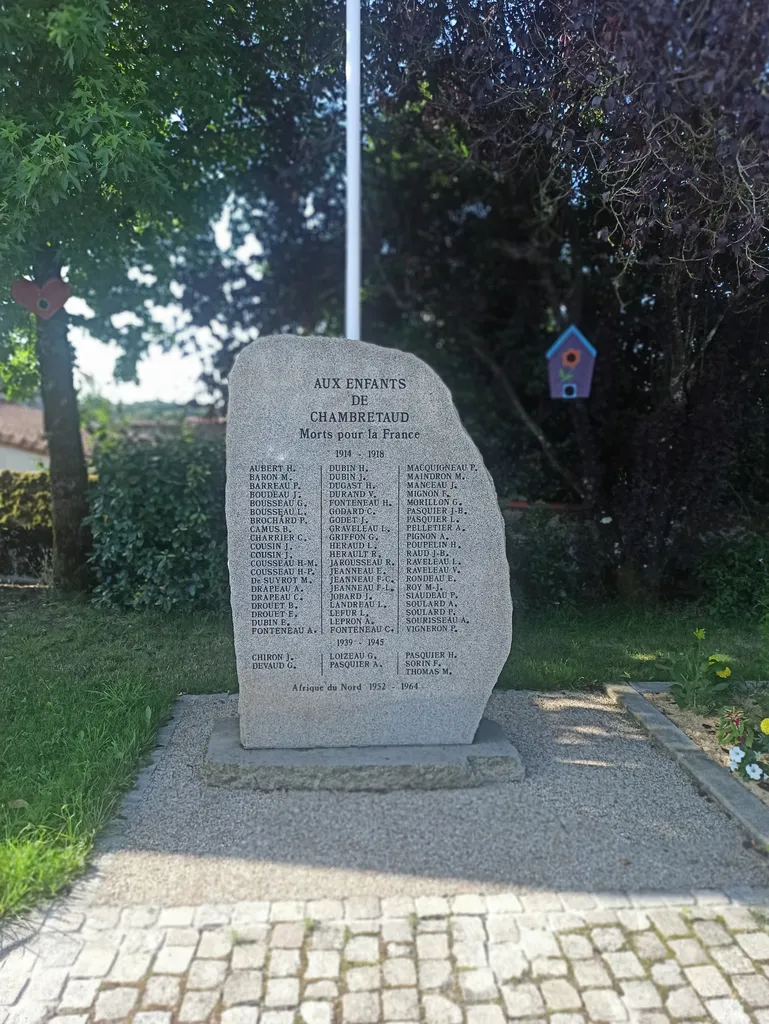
(370, 589)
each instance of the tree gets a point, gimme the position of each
(118, 127)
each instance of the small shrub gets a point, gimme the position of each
(736, 577)
(25, 501)
(747, 741)
(699, 681)
(158, 523)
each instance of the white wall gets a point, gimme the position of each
(27, 462)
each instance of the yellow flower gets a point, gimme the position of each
(700, 634)
(765, 726)
(724, 673)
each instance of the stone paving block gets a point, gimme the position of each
(196, 1006)
(435, 974)
(363, 926)
(707, 982)
(206, 974)
(564, 921)
(396, 930)
(431, 906)
(152, 1017)
(215, 944)
(649, 947)
(478, 985)
(70, 1018)
(28, 1011)
(240, 1015)
(182, 937)
(115, 1003)
(727, 1011)
(212, 915)
(55, 949)
(440, 1010)
(473, 954)
(549, 967)
(567, 1018)
(432, 924)
(540, 899)
(624, 965)
(322, 964)
(608, 940)
(277, 1017)
(503, 903)
(13, 983)
(288, 910)
(507, 961)
(401, 971)
(139, 917)
(560, 995)
(248, 912)
(162, 990)
(711, 933)
(330, 935)
(325, 910)
(103, 918)
(362, 908)
(429, 947)
(173, 959)
(502, 928)
(640, 995)
(361, 1008)
(688, 952)
(468, 903)
(754, 944)
(397, 906)
(176, 917)
(248, 956)
(284, 963)
(287, 935)
(467, 929)
(485, 1013)
(683, 1003)
(321, 990)
(94, 961)
(130, 967)
(668, 974)
(365, 950)
(313, 1012)
(142, 940)
(363, 979)
(670, 923)
(45, 983)
(634, 920)
(399, 1004)
(397, 949)
(242, 987)
(522, 1000)
(79, 994)
(282, 993)
(753, 989)
(591, 974)
(600, 918)
(536, 942)
(576, 947)
(604, 1006)
(739, 919)
(732, 960)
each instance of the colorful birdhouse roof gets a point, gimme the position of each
(573, 336)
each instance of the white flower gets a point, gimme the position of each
(736, 754)
(733, 766)
(754, 771)
(606, 520)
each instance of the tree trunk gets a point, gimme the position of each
(69, 475)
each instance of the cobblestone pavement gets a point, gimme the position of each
(467, 959)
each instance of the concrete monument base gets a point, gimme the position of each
(490, 758)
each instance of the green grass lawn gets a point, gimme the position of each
(82, 692)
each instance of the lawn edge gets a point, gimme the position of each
(716, 781)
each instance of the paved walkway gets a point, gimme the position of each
(604, 888)
(471, 959)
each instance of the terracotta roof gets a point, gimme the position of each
(22, 427)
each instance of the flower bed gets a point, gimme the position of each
(703, 729)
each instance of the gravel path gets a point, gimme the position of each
(600, 810)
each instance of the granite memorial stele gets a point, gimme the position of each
(369, 584)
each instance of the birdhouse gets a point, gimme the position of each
(570, 362)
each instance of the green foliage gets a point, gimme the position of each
(699, 681)
(736, 727)
(159, 533)
(747, 741)
(545, 565)
(736, 575)
(25, 501)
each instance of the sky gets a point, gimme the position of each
(163, 376)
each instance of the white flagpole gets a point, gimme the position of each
(353, 243)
